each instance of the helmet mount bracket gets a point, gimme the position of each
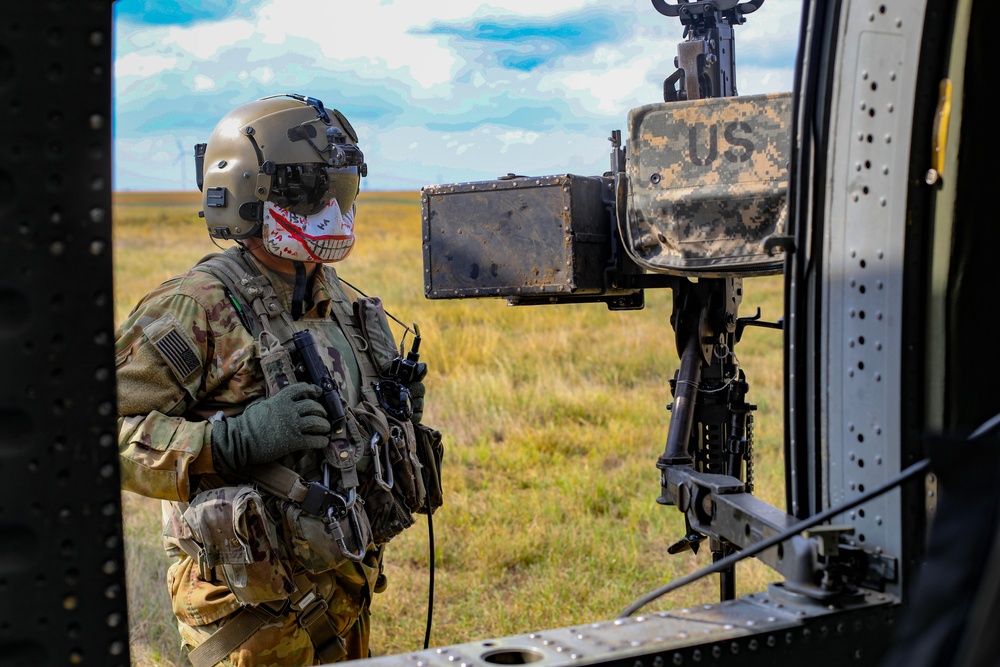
(199, 165)
(252, 211)
(263, 189)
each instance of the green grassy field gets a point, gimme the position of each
(553, 418)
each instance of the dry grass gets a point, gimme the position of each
(553, 417)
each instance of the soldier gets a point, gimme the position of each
(268, 406)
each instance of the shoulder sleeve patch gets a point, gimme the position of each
(174, 345)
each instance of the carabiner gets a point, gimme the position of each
(379, 479)
(339, 538)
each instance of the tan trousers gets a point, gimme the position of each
(283, 643)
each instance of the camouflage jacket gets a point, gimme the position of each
(182, 356)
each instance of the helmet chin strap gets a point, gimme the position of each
(299, 291)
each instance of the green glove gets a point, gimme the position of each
(269, 429)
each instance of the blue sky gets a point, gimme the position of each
(440, 91)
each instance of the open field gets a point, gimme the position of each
(553, 418)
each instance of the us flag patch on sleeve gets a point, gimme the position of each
(174, 346)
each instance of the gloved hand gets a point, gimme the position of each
(287, 422)
(417, 391)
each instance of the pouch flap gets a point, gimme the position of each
(375, 325)
(708, 184)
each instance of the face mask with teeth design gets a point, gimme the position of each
(327, 236)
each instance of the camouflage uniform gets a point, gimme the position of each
(165, 401)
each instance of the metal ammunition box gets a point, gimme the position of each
(518, 237)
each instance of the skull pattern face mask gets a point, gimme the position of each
(326, 236)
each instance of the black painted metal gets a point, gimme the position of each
(764, 629)
(62, 583)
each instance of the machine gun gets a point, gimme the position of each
(711, 429)
(693, 201)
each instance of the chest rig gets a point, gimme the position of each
(365, 500)
(373, 476)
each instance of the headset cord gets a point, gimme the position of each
(430, 542)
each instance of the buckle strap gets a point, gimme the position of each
(306, 605)
(311, 611)
(313, 497)
(281, 481)
(333, 650)
(306, 601)
(238, 273)
(194, 551)
(229, 637)
(312, 616)
(330, 647)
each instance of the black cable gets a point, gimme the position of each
(387, 313)
(430, 542)
(732, 559)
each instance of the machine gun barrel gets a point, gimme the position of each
(682, 413)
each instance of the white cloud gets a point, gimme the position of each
(205, 41)
(425, 105)
(143, 65)
(263, 74)
(755, 80)
(202, 82)
(516, 138)
(609, 91)
(488, 152)
(346, 41)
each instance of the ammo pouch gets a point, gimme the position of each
(316, 538)
(430, 451)
(390, 486)
(406, 479)
(374, 325)
(238, 539)
(275, 362)
(311, 540)
(707, 185)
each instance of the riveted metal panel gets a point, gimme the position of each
(864, 248)
(757, 629)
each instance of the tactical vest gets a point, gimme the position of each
(376, 473)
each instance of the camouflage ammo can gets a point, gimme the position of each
(707, 185)
(524, 238)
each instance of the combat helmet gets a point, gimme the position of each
(287, 149)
